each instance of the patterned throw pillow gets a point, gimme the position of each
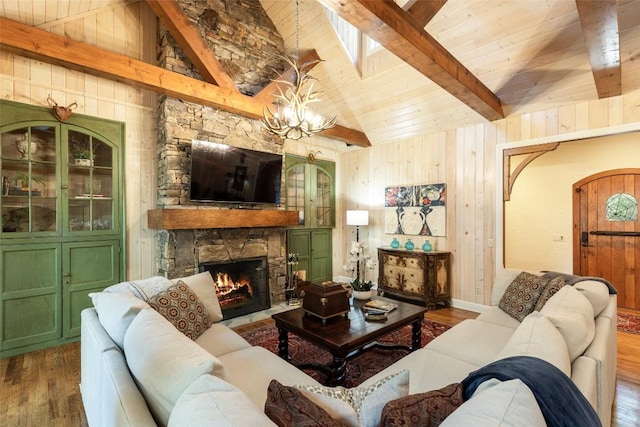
(521, 295)
(358, 406)
(180, 306)
(549, 290)
(287, 406)
(423, 409)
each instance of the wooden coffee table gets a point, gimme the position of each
(347, 337)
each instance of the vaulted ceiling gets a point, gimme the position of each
(444, 63)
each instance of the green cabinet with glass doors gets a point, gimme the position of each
(62, 222)
(310, 190)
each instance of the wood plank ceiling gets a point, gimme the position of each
(446, 64)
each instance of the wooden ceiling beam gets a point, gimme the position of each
(599, 21)
(397, 30)
(423, 11)
(194, 46)
(268, 92)
(41, 45)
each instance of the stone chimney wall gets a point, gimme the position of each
(247, 45)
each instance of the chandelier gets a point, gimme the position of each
(292, 118)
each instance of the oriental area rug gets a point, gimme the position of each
(629, 323)
(359, 368)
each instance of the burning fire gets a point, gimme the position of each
(229, 291)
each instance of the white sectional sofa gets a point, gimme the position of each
(139, 370)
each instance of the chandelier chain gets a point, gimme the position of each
(292, 118)
(297, 32)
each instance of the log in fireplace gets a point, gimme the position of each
(242, 286)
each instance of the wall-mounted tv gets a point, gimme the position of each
(222, 173)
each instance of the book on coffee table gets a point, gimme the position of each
(379, 306)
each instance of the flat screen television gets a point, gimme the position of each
(222, 173)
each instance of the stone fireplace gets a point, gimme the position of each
(247, 45)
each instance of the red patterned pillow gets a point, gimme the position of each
(423, 409)
(521, 295)
(180, 306)
(287, 406)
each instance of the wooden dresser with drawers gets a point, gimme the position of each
(415, 275)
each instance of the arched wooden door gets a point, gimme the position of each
(606, 238)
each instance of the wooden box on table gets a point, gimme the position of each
(324, 300)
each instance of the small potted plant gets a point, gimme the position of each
(362, 289)
(21, 181)
(82, 153)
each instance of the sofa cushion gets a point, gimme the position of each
(180, 306)
(493, 314)
(212, 402)
(201, 283)
(549, 290)
(596, 292)
(521, 295)
(287, 406)
(116, 311)
(429, 370)
(143, 289)
(164, 362)
(358, 406)
(487, 339)
(220, 339)
(204, 287)
(255, 382)
(572, 313)
(506, 404)
(424, 409)
(537, 336)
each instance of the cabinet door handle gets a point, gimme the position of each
(64, 187)
(67, 274)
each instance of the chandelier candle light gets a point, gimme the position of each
(359, 257)
(292, 118)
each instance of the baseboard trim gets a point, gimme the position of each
(466, 305)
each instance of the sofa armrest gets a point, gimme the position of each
(109, 395)
(584, 376)
(121, 403)
(603, 350)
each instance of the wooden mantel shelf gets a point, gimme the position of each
(188, 219)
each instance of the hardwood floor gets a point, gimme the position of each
(42, 388)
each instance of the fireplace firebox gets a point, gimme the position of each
(242, 286)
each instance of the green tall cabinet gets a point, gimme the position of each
(62, 222)
(310, 190)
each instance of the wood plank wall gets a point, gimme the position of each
(465, 158)
(129, 29)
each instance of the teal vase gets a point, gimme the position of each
(395, 244)
(426, 246)
(409, 245)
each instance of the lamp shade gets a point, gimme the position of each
(357, 217)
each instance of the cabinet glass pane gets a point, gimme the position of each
(90, 183)
(323, 198)
(28, 179)
(295, 191)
